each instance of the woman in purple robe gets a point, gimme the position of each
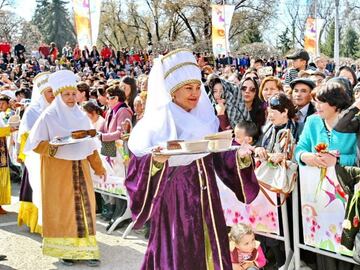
(178, 194)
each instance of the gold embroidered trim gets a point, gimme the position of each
(42, 82)
(179, 85)
(239, 174)
(42, 91)
(41, 74)
(146, 193)
(202, 210)
(73, 248)
(212, 216)
(52, 150)
(66, 87)
(176, 67)
(174, 52)
(156, 192)
(201, 190)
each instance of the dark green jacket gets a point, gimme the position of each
(348, 177)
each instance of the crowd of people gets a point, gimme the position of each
(137, 101)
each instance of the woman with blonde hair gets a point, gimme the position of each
(269, 87)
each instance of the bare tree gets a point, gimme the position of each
(297, 21)
(182, 10)
(30, 36)
(325, 10)
(176, 27)
(112, 26)
(187, 23)
(249, 17)
(10, 26)
(298, 14)
(4, 3)
(155, 7)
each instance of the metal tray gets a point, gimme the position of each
(68, 140)
(179, 152)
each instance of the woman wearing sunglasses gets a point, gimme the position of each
(281, 113)
(250, 96)
(112, 130)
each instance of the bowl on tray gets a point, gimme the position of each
(224, 135)
(195, 146)
(220, 144)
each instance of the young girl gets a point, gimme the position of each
(94, 112)
(246, 253)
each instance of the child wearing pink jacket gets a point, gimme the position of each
(245, 251)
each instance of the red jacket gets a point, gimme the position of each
(105, 53)
(77, 53)
(5, 47)
(54, 53)
(44, 50)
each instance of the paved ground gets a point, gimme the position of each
(24, 249)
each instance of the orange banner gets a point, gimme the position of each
(82, 22)
(310, 36)
(221, 20)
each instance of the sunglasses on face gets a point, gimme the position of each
(244, 88)
(110, 97)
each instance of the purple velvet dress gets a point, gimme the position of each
(179, 201)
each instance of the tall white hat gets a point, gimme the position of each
(180, 68)
(62, 80)
(168, 74)
(41, 81)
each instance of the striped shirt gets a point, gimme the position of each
(293, 73)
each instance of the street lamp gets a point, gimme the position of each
(336, 43)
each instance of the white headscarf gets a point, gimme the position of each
(164, 120)
(38, 103)
(59, 120)
(32, 113)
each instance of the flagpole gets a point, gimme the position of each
(336, 43)
(91, 39)
(226, 50)
(317, 49)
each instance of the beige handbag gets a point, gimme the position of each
(281, 177)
